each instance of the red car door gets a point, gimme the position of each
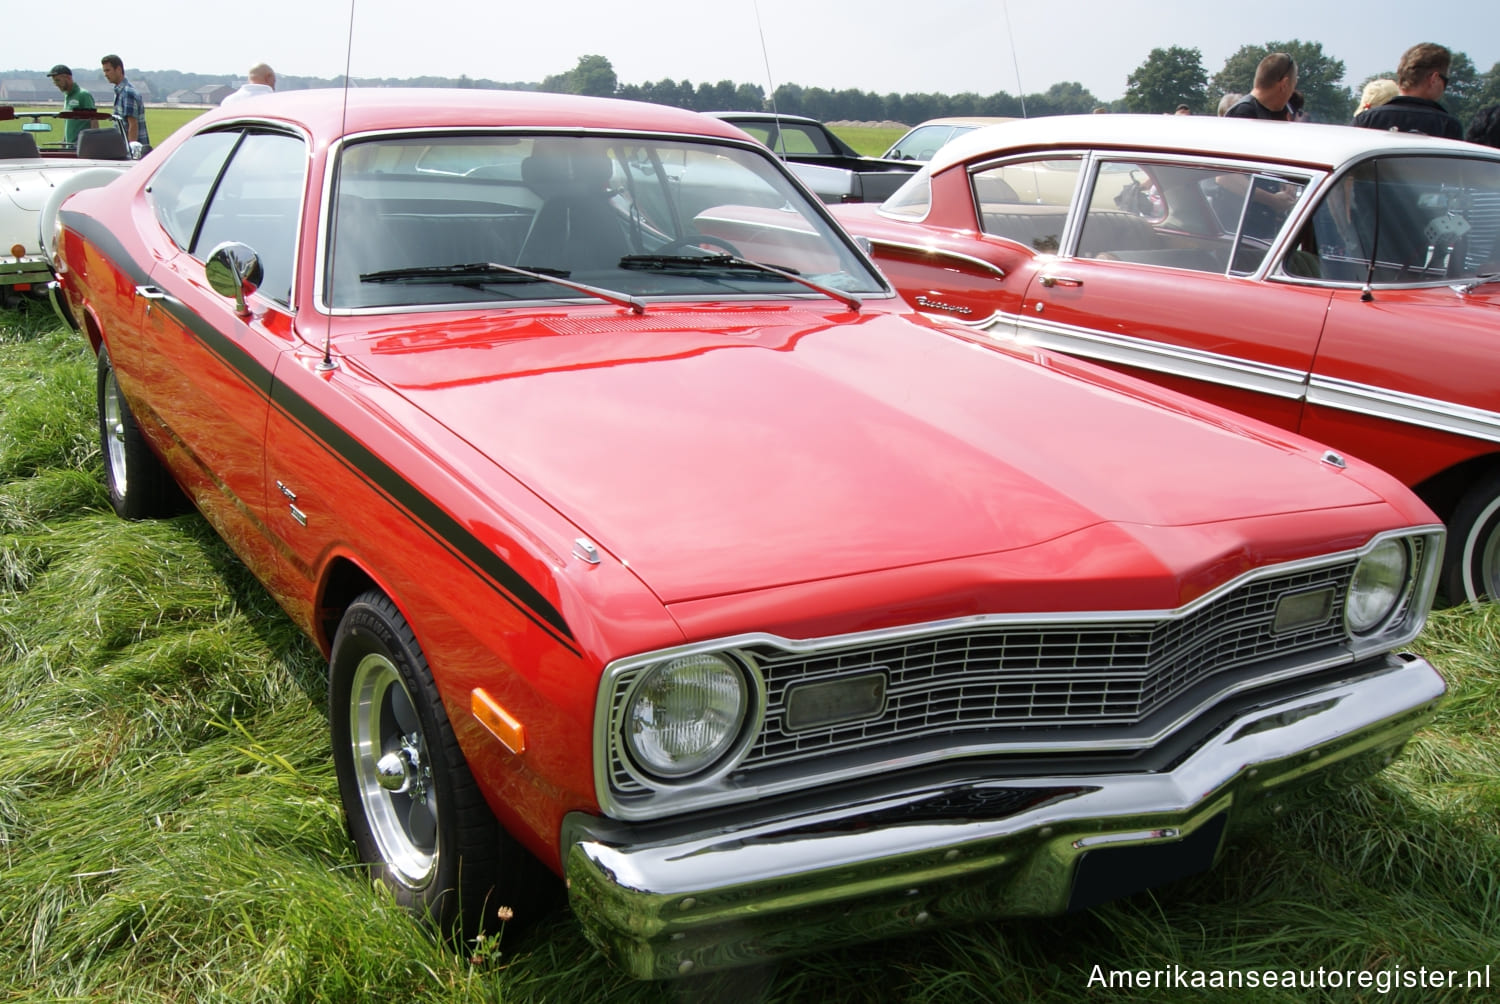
(1400, 381)
(1165, 279)
(1241, 343)
(209, 367)
(1402, 377)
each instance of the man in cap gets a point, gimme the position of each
(75, 99)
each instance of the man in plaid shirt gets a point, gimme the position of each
(128, 103)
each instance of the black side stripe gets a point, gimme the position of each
(422, 510)
(425, 513)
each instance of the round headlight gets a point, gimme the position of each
(1378, 584)
(685, 714)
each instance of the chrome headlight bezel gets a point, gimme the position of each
(1381, 579)
(730, 731)
(1400, 615)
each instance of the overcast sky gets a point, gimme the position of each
(940, 46)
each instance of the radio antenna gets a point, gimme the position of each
(327, 364)
(1005, 9)
(770, 83)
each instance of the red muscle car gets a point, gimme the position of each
(1342, 283)
(653, 539)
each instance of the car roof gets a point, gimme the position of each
(761, 117)
(965, 120)
(1302, 143)
(334, 111)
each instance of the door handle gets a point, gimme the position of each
(151, 293)
(1060, 280)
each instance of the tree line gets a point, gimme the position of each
(1168, 77)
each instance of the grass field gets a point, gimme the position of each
(161, 121)
(871, 141)
(170, 828)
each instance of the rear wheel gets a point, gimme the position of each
(1471, 568)
(139, 485)
(415, 812)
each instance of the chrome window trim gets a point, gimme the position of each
(1311, 179)
(720, 789)
(318, 300)
(244, 127)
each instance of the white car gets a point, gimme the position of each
(35, 175)
(923, 140)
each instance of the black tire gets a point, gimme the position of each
(1471, 564)
(139, 485)
(433, 839)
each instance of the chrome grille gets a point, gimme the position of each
(1002, 678)
(1006, 677)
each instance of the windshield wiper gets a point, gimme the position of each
(484, 272)
(729, 262)
(1479, 280)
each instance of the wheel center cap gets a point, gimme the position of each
(399, 772)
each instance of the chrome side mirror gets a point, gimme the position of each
(231, 269)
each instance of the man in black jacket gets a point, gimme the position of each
(1275, 80)
(1422, 78)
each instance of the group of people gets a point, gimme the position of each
(128, 105)
(1410, 103)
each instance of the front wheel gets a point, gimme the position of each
(415, 812)
(1471, 568)
(139, 485)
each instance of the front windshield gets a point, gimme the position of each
(631, 215)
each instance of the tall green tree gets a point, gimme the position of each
(1465, 85)
(1065, 98)
(1488, 92)
(1168, 78)
(1320, 77)
(594, 75)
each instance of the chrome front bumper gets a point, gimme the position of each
(680, 896)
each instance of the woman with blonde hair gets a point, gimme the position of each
(1377, 92)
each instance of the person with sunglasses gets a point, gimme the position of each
(1421, 79)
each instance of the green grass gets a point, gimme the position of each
(170, 828)
(869, 140)
(161, 121)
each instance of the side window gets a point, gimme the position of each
(913, 199)
(257, 203)
(797, 139)
(1422, 219)
(1158, 214)
(180, 186)
(1268, 204)
(921, 143)
(1027, 201)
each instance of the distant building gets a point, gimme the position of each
(28, 91)
(40, 90)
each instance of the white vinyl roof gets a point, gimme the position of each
(1318, 146)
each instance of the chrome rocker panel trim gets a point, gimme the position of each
(665, 900)
(1229, 371)
(1127, 350)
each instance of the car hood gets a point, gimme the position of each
(796, 445)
